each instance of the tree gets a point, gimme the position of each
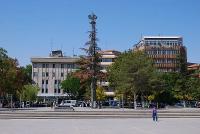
(8, 72)
(12, 77)
(89, 71)
(100, 95)
(182, 62)
(193, 88)
(167, 93)
(131, 73)
(179, 87)
(29, 92)
(27, 73)
(71, 86)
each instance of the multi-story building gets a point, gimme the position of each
(165, 51)
(107, 58)
(194, 69)
(48, 72)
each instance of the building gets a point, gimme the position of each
(107, 58)
(48, 72)
(165, 51)
(194, 69)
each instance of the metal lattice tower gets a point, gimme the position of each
(93, 54)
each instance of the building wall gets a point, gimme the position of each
(49, 72)
(194, 70)
(48, 75)
(108, 57)
(164, 51)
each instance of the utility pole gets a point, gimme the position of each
(93, 55)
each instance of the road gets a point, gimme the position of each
(101, 126)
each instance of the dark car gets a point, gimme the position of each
(81, 104)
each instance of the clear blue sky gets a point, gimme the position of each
(32, 27)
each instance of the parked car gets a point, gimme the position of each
(28, 104)
(179, 104)
(198, 104)
(81, 104)
(68, 103)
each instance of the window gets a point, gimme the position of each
(55, 82)
(46, 90)
(43, 74)
(46, 81)
(106, 60)
(42, 81)
(47, 74)
(35, 74)
(43, 65)
(62, 74)
(55, 90)
(62, 65)
(53, 65)
(70, 66)
(164, 51)
(53, 74)
(42, 90)
(59, 81)
(58, 90)
(34, 65)
(47, 65)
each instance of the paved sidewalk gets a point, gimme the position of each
(85, 109)
(101, 126)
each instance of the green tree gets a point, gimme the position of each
(12, 77)
(100, 95)
(179, 88)
(27, 73)
(193, 86)
(71, 86)
(168, 92)
(132, 73)
(8, 72)
(29, 93)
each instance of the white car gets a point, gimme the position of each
(68, 103)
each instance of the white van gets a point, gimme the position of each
(69, 103)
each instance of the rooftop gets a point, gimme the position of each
(54, 59)
(161, 37)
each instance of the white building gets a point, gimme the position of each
(48, 72)
(107, 58)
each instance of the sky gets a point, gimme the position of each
(32, 28)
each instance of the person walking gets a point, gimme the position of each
(154, 114)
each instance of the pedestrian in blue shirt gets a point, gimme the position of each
(154, 114)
